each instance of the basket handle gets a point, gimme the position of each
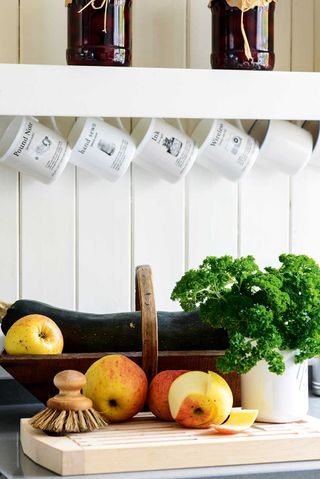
(145, 302)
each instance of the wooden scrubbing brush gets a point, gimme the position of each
(69, 411)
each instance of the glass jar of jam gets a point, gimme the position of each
(99, 32)
(228, 40)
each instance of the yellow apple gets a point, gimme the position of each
(34, 334)
(238, 421)
(117, 386)
(158, 393)
(198, 399)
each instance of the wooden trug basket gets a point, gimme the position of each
(36, 372)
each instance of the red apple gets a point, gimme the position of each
(158, 393)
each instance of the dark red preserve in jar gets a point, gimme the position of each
(99, 32)
(228, 51)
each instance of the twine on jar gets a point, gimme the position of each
(244, 6)
(104, 4)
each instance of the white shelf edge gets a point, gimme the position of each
(43, 90)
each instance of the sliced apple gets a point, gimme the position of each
(221, 394)
(198, 399)
(238, 421)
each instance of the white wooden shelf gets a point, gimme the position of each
(44, 90)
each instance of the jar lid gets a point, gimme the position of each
(244, 5)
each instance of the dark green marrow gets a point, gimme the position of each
(88, 333)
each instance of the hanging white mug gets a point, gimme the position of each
(313, 127)
(32, 148)
(163, 149)
(283, 145)
(225, 148)
(100, 148)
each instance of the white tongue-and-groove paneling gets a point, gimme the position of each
(264, 193)
(212, 200)
(305, 187)
(9, 180)
(103, 245)
(81, 238)
(159, 207)
(47, 212)
(43, 31)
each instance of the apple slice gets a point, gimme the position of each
(238, 421)
(198, 399)
(158, 393)
(221, 394)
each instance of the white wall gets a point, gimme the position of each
(75, 244)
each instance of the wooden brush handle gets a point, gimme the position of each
(69, 383)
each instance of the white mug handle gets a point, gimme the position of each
(121, 125)
(240, 125)
(179, 125)
(53, 124)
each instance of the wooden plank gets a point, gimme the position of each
(303, 35)
(9, 34)
(104, 253)
(304, 209)
(149, 444)
(159, 33)
(316, 33)
(282, 35)
(264, 194)
(47, 240)
(264, 216)
(43, 32)
(36, 373)
(9, 184)
(305, 229)
(9, 204)
(47, 213)
(212, 201)
(159, 207)
(199, 35)
(212, 216)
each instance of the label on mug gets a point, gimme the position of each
(228, 141)
(37, 150)
(103, 149)
(168, 150)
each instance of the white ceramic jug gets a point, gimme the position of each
(281, 398)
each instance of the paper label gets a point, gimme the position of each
(168, 150)
(37, 150)
(229, 148)
(103, 150)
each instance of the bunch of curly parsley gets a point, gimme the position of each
(264, 312)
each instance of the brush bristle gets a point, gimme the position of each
(66, 422)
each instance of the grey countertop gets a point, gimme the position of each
(14, 464)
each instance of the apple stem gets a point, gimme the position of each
(3, 309)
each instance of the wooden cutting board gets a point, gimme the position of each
(145, 443)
